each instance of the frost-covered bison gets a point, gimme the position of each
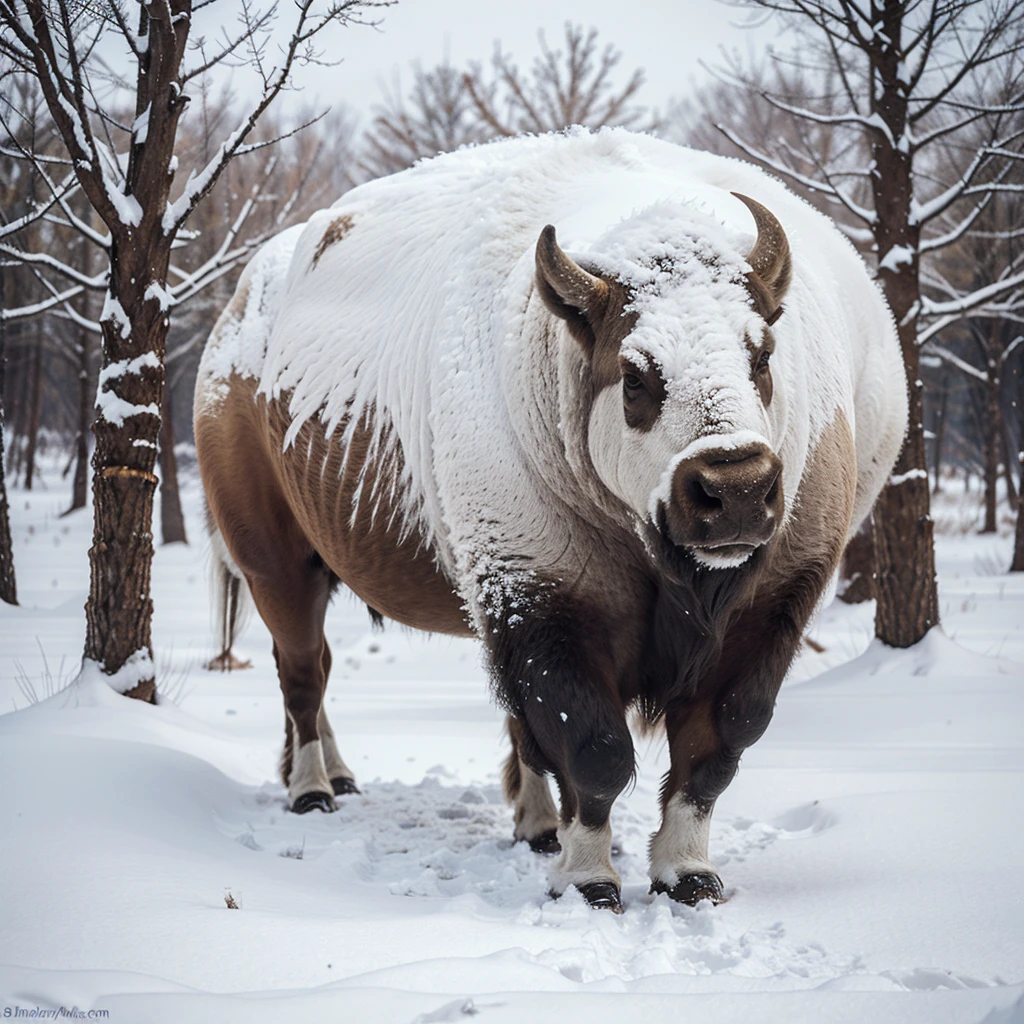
(626, 456)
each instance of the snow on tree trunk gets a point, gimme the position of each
(119, 609)
(908, 600)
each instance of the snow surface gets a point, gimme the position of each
(870, 845)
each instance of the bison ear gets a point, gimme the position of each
(769, 260)
(570, 292)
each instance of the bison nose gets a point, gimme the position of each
(728, 499)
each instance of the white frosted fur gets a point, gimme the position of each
(238, 342)
(680, 846)
(309, 773)
(425, 315)
(585, 857)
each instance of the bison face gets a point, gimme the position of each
(679, 348)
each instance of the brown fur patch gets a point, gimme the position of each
(334, 233)
(260, 495)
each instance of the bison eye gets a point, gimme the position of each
(762, 361)
(632, 384)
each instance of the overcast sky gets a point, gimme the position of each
(667, 38)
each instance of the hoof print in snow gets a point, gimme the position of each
(691, 889)
(315, 801)
(602, 896)
(546, 842)
(343, 786)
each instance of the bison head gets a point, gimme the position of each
(675, 327)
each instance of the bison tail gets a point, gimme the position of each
(231, 602)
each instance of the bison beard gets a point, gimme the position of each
(693, 610)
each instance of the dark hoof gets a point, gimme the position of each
(691, 889)
(343, 786)
(546, 842)
(602, 896)
(315, 801)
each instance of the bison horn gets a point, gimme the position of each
(769, 259)
(567, 289)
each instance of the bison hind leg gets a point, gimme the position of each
(535, 815)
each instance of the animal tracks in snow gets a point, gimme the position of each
(450, 845)
(737, 839)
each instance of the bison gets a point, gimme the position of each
(629, 465)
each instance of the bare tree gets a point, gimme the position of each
(438, 116)
(55, 42)
(562, 88)
(906, 74)
(764, 127)
(446, 107)
(992, 250)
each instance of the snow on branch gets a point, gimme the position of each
(982, 302)
(956, 233)
(921, 213)
(974, 299)
(39, 211)
(954, 360)
(873, 122)
(1011, 348)
(34, 309)
(44, 259)
(825, 187)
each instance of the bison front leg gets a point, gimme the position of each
(554, 672)
(707, 737)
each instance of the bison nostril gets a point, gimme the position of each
(773, 492)
(701, 497)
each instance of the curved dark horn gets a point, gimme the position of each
(769, 258)
(568, 281)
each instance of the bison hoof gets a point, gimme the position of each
(343, 785)
(546, 842)
(315, 801)
(691, 889)
(602, 896)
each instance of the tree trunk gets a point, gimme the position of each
(16, 453)
(119, 611)
(991, 431)
(8, 581)
(1018, 542)
(85, 392)
(35, 400)
(172, 521)
(858, 567)
(1011, 485)
(940, 430)
(905, 584)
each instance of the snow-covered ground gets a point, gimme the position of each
(870, 846)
